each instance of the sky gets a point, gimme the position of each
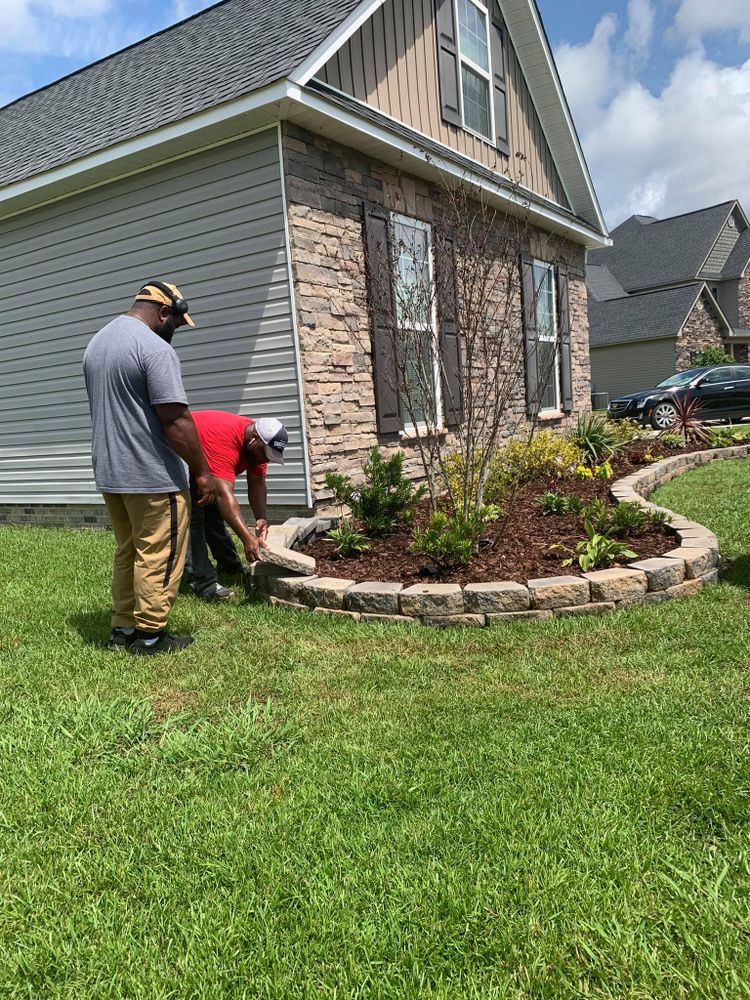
(660, 91)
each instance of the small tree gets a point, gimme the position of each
(452, 313)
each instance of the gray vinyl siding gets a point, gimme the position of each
(214, 224)
(724, 245)
(626, 368)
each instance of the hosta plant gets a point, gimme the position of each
(348, 542)
(597, 551)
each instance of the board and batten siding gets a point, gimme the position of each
(723, 247)
(625, 368)
(390, 63)
(213, 223)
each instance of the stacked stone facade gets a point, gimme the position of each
(743, 301)
(703, 329)
(327, 186)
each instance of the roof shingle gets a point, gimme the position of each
(646, 316)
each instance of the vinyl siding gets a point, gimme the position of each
(391, 64)
(214, 224)
(627, 368)
(724, 245)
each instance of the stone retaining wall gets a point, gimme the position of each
(682, 572)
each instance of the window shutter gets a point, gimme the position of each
(499, 86)
(531, 348)
(448, 65)
(563, 319)
(382, 315)
(450, 342)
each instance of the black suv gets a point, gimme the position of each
(722, 392)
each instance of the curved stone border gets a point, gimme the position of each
(682, 572)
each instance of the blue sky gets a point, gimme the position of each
(660, 91)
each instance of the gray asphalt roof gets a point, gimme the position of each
(647, 253)
(646, 316)
(224, 52)
(602, 284)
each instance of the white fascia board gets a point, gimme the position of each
(181, 130)
(538, 65)
(320, 56)
(515, 201)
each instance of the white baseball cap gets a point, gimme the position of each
(274, 437)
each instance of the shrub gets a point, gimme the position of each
(604, 471)
(687, 424)
(671, 441)
(712, 356)
(658, 518)
(385, 499)
(554, 503)
(597, 551)
(595, 437)
(724, 437)
(596, 513)
(348, 542)
(451, 541)
(626, 518)
(626, 430)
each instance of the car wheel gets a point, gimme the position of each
(663, 416)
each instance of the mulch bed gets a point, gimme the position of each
(519, 543)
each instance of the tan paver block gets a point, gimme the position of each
(432, 599)
(559, 592)
(374, 598)
(697, 560)
(325, 592)
(662, 573)
(616, 584)
(518, 616)
(496, 598)
(288, 559)
(455, 621)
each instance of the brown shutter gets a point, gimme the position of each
(450, 342)
(563, 321)
(448, 64)
(531, 348)
(499, 87)
(382, 316)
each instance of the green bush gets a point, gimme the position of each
(712, 356)
(554, 503)
(724, 437)
(671, 441)
(627, 518)
(596, 437)
(448, 541)
(626, 430)
(385, 499)
(597, 551)
(348, 542)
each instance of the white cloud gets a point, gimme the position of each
(696, 18)
(62, 27)
(640, 33)
(677, 149)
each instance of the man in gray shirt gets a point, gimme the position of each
(144, 442)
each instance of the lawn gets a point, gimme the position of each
(305, 808)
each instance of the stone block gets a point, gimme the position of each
(389, 619)
(455, 621)
(697, 560)
(518, 616)
(694, 538)
(287, 559)
(585, 610)
(687, 589)
(496, 598)
(374, 598)
(559, 592)
(711, 577)
(337, 613)
(432, 599)
(616, 584)
(661, 573)
(282, 536)
(306, 526)
(277, 602)
(286, 588)
(325, 592)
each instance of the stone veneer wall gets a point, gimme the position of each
(743, 301)
(680, 573)
(326, 186)
(701, 330)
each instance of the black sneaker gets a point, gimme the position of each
(165, 643)
(120, 640)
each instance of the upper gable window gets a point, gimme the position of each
(474, 50)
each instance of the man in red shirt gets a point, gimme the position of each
(232, 445)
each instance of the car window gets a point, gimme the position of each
(680, 379)
(742, 373)
(716, 376)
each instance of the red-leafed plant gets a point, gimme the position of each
(688, 417)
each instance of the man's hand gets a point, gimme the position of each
(252, 548)
(261, 528)
(206, 485)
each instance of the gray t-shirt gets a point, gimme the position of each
(128, 370)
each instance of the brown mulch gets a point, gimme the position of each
(517, 546)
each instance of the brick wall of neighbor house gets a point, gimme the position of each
(327, 185)
(701, 330)
(743, 301)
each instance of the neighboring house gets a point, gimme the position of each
(665, 290)
(237, 154)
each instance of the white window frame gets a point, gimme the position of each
(554, 338)
(410, 429)
(487, 75)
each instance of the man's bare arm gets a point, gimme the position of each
(182, 434)
(230, 511)
(257, 496)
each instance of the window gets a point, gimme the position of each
(474, 54)
(546, 325)
(717, 376)
(417, 364)
(742, 373)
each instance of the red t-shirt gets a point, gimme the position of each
(222, 436)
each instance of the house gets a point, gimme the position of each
(235, 154)
(665, 290)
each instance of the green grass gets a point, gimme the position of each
(303, 808)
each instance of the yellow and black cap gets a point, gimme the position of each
(165, 294)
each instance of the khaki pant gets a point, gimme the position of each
(151, 530)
